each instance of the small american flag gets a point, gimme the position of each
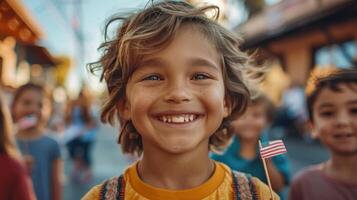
(274, 148)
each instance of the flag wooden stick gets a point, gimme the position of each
(267, 174)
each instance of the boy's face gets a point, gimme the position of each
(176, 98)
(250, 125)
(31, 103)
(335, 119)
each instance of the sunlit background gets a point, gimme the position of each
(51, 42)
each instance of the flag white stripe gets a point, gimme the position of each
(273, 154)
(268, 152)
(275, 141)
(275, 147)
(272, 150)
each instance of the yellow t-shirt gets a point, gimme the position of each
(219, 186)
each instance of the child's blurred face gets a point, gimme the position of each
(176, 98)
(31, 103)
(335, 119)
(251, 124)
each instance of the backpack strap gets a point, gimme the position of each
(113, 189)
(243, 186)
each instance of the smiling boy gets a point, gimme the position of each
(332, 106)
(175, 78)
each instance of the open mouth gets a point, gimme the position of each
(178, 119)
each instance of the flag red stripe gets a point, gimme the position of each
(273, 154)
(268, 152)
(274, 149)
(273, 145)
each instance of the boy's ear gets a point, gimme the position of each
(314, 133)
(227, 107)
(124, 109)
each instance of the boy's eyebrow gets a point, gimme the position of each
(325, 104)
(203, 62)
(153, 62)
(157, 62)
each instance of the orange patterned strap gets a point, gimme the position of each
(113, 189)
(243, 186)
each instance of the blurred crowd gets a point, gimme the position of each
(36, 134)
(36, 137)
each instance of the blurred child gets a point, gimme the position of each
(80, 120)
(175, 78)
(30, 110)
(332, 105)
(243, 153)
(15, 182)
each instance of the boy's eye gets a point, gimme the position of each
(353, 111)
(200, 76)
(326, 113)
(153, 77)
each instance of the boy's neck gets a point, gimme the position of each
(175, 172)
(248, 149)
(342, 168)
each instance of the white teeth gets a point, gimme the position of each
(177, 118)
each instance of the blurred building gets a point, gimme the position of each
(231, 12)
(299, 35)
(21, 58)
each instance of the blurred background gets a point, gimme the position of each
(51, 41)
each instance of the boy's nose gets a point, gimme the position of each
(342, 119)
(33, 108)
(177, 92)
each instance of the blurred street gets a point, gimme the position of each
(108, 160)
(302, 153)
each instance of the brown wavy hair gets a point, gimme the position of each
(330, 78)
(152, 29)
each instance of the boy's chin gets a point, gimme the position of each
(344, 152)
(178, 149)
